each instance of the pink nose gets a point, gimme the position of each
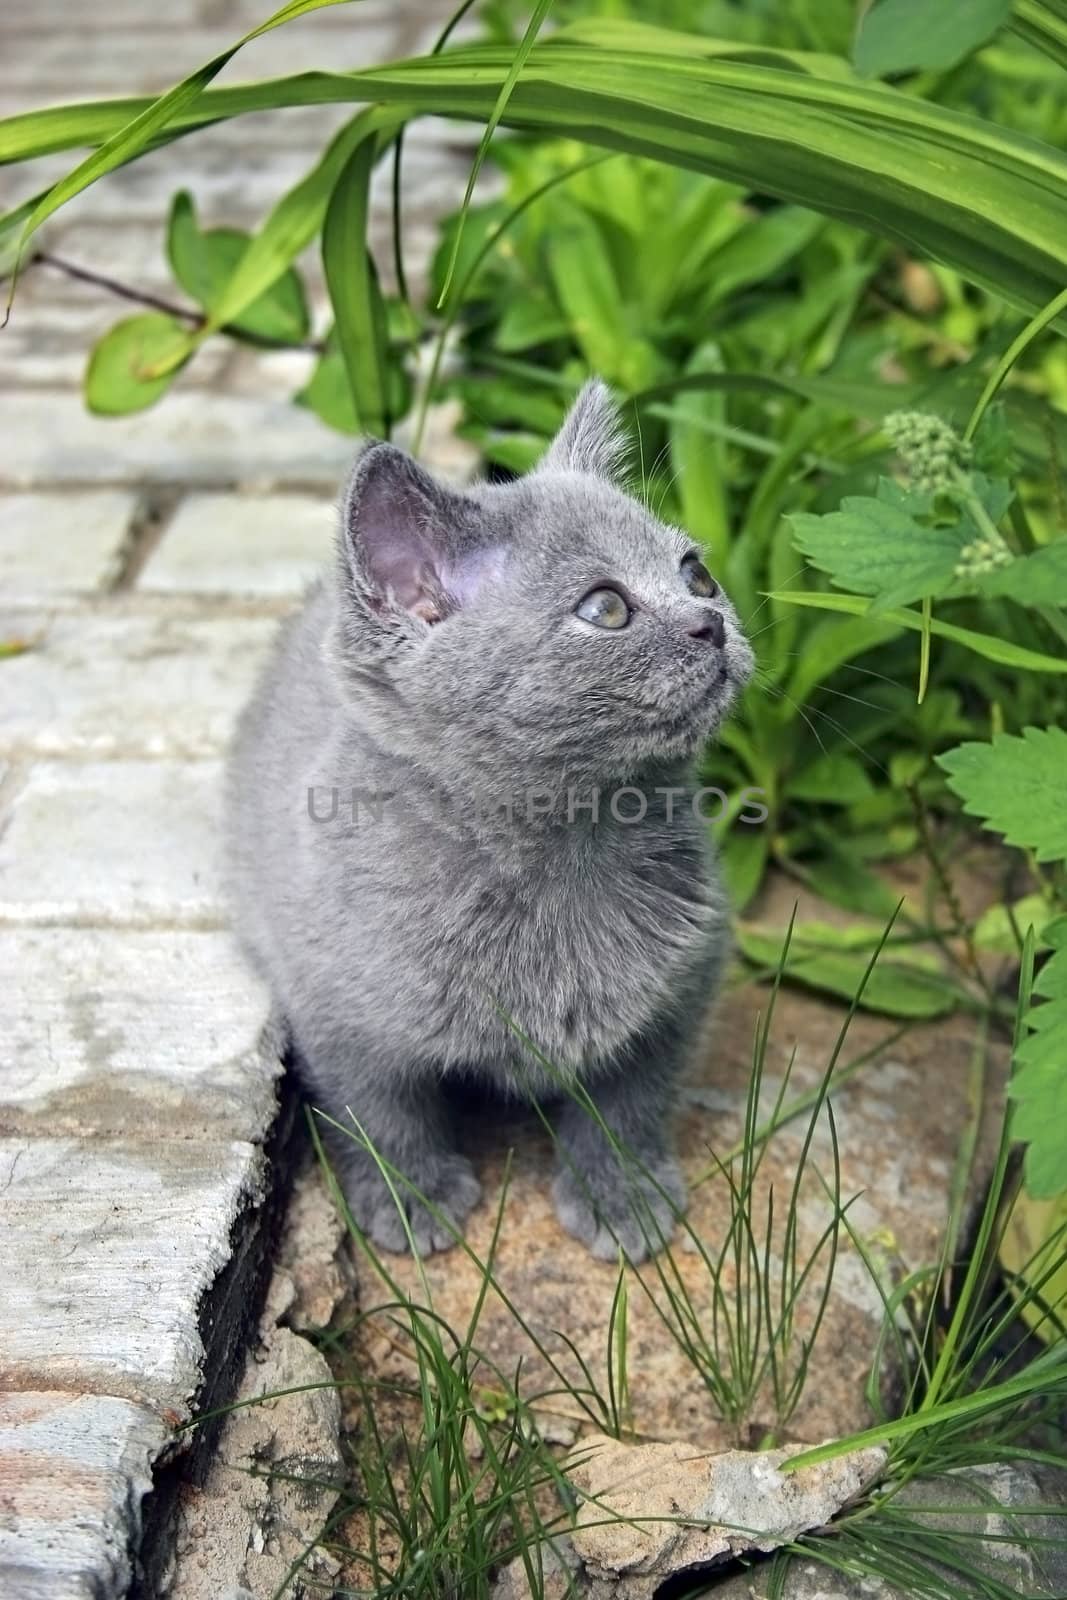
(711, 630)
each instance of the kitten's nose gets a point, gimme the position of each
(711, 630)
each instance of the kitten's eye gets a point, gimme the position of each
(698, 580)
(604, 608)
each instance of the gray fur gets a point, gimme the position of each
(439, 662)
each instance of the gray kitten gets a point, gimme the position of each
(461, 806)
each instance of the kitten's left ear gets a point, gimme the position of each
(591, 438)
(411, 548)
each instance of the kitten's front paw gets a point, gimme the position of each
(449, 1185)
(609, 1206)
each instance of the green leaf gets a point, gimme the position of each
(835, 959)
(359, 310)
(1039, 579)
(743, 856)
(1017, 784)
(834, 779)
(913, 35)
(1038, 1085)
(203, 263)
(988, 201)
(1002, 651)
(328, 394)
(877, 547)
(996, 928)
(699, 462)
(118, 378)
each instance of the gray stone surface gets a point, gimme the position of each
(129, 842)
(182, 676)
(51, 544)
(113, 1033)
(244, 545)
(73, 1472)
(110, 1246)
(137, 1092)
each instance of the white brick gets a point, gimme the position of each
(144, 1033)
(107, 1250)
(75, 1469)
(119, 684)
(55, 543)
(243, 544)
(125, 841)
(188, 438)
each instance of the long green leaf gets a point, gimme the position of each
(1044, 26)
(1002, 651)
(359, 312)
(133, 137)
(970, 193)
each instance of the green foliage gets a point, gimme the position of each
(1018, 786)
(902, 35)
(1039, 1082)
(834, 960)
(204, 260)
(121, 374)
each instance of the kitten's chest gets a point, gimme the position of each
(580, 946)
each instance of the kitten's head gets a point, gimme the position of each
(541, 631)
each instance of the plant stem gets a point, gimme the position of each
(141, 297)
(99, 280)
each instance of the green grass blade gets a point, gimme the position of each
(526, 44)
(1002, 651)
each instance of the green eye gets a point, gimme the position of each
(698, 580)
(604, 608)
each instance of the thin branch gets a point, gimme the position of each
(100, 281)
(141, 297)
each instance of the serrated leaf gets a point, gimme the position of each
(204, 261)
(913, 35)
(118, 380)
(877, 547)
(835, 959)
(1017, 784)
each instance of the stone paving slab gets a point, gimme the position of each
(184, 679)
(110, 1246)
(73, 1472)
(253, 545)
(147, 560)
(131, 842)
(52, 544)
(149, 1033)
(49, 438)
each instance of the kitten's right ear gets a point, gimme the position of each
(591, 438)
